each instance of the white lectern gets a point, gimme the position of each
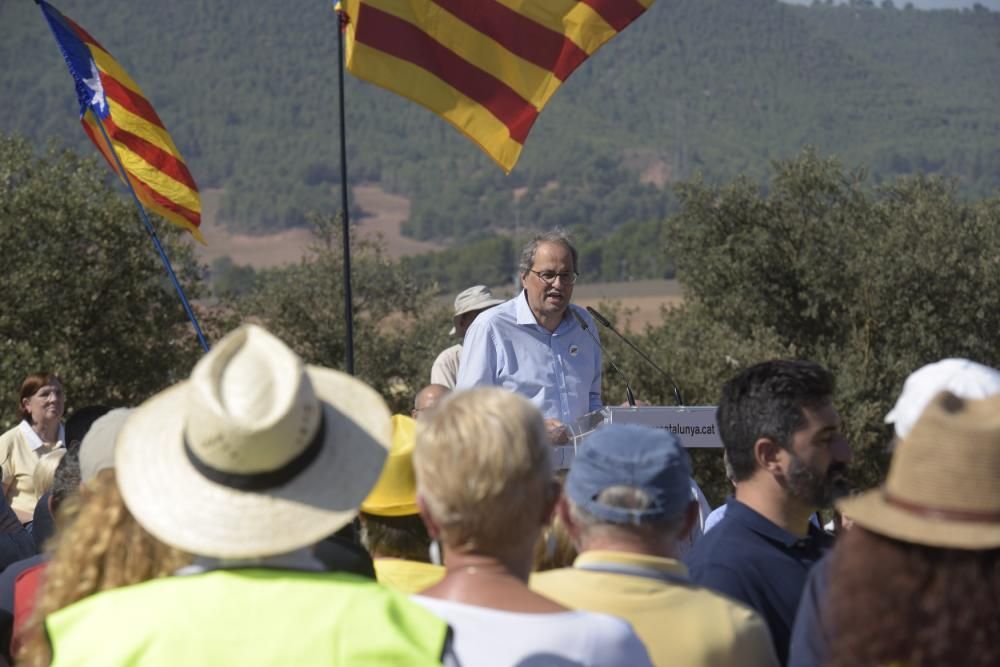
(694, 426)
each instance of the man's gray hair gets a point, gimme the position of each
(631, 498)
(556, 236)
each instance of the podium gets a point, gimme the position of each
(694, 426)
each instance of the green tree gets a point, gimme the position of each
(397, 331)
(85, 294)
(871, 281)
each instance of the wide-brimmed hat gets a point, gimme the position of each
(97, 451)
(256, 454)
(943, 487)
(395, 492)
(477, 297)
(964, 378)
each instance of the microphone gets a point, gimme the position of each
(605, 323)
(586, 327)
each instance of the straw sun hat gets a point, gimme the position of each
(943, 488)
(256, 454)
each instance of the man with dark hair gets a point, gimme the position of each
(783, 440)
(534, 343)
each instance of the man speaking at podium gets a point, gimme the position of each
(534, 345)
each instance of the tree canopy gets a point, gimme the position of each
(872, 281)
(715, 87)
(85, 294)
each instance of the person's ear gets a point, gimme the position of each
(768, 455)
(432, 528)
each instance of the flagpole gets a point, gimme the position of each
(152, 234)
(345, 218)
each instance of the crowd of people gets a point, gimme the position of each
(269, 512)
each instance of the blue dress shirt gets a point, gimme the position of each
(559, 371)
(760, 564)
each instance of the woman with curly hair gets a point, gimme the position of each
(916, 582)
(102, 548)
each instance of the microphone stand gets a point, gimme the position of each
(586, 327)
(607, 324)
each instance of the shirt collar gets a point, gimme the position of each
(524, 316)
(34, 440)
(669, 566)
(763, 526)
(300, 559)
(523, 310)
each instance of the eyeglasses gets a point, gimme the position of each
(549, 277)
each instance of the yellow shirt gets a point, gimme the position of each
(20, 449)
(407, 576)
(680, 623)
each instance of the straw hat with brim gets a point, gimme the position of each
(97, 451)
(255, 455)
(943, 488)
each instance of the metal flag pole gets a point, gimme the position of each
(345, 218)
(152, 234)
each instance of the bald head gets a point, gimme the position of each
(427, 398)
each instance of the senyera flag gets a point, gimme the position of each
(488, 67)
(152, 162)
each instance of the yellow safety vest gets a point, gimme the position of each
(248, 617)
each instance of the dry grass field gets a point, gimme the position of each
(386, 213)
(641, 299)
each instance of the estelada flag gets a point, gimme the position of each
(152, 162)
(488, 67)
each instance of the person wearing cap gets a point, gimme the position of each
(627, 504)
(246, 465)
(782, 435)
(536, 344)
(917, 579)
(811, 634)
(486, 489)
(468, 305)
(962, 377)
(391, 528)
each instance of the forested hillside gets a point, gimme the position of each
(719, 87)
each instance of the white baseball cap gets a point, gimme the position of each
(964, 378)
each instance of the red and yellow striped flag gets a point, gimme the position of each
(152, 163)
(488, 67)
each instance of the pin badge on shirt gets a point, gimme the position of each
(573, 349)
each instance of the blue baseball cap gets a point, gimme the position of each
(643, 457)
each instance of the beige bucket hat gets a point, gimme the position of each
(477, 297)
(943, 487)
(256, 454)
